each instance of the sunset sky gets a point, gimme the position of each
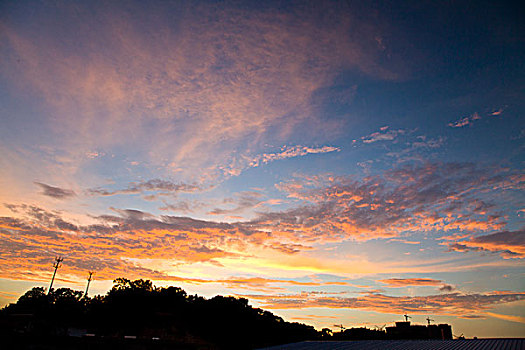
(333, 162)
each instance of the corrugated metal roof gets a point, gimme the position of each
(463, 344)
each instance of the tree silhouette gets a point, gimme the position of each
(139, 308)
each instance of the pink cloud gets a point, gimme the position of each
(180, 91)
(460, 123)
(497, 112)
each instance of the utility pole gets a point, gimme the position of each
(56, 265)
(89, 281)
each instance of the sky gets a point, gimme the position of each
(333, 162)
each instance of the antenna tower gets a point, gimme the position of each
(56, 265)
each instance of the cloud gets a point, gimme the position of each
(107, 245)
(291, 152)
(242, 201)
(181, 206)
(404, 144)
(402, 282)
(239, 164)
(404, 241)
(511, 318)
(497, 112)
(163, 187)
(509, 244)
(464, 121)
(473, 117)
(472, 317)
(446, 288)
(460, 123)
(124, 244)
(384, 134)
(55, 192)
(453, 304)
(411, 198)
(188, 82)
(431, 197)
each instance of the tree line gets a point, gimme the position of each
(139, 310)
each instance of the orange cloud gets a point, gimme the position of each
(429, 197)
(509, 244)
(455, 304)
(511, 318)
(402, 282)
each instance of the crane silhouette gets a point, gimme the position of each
(429, 320)
(406, 317)
(380, 328)
(340, 326)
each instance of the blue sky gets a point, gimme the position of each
(336, 163)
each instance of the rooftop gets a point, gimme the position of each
(463, 344)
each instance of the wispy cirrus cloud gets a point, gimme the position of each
(229, 85)
(55, 192)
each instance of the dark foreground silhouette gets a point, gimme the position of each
(138, 315)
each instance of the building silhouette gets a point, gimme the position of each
(405, 330)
